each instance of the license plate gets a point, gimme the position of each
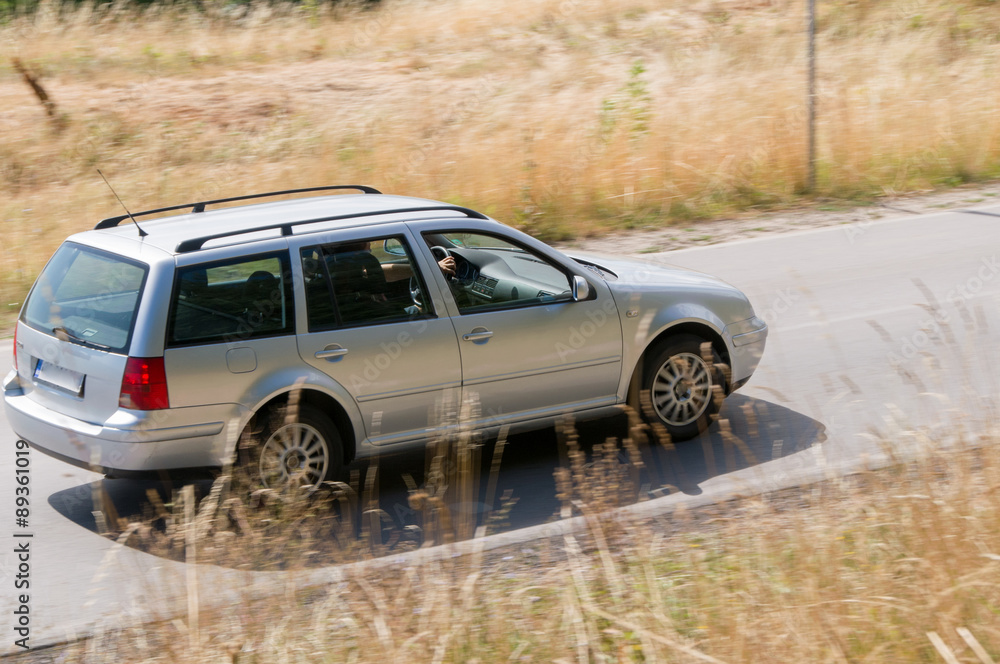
(59, 377)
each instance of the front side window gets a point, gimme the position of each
(231, 301)
(363, 282)
(87, 296)
(493, 273)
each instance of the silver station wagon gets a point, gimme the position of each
(152, 342)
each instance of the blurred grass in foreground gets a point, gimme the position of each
(562, 117)
(877, 566)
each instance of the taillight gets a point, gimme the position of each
(15, 345)
(144, 385)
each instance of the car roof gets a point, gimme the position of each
(352, 210)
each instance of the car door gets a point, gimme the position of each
(528, 348)
(398, 359)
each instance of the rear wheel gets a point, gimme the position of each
(679, 378)
(304, 449)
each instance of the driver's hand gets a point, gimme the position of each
(447, 265)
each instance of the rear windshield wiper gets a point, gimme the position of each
(65, 335)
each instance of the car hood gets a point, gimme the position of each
(646, 289)
(637, 274)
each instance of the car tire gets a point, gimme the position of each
(304, 449)
(679, 383)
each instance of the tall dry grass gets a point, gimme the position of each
(899, 565)
(561, 116)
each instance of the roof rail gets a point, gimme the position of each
(111, 222)
(194, 244)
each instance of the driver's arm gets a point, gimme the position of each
(397, 271)
(447, 265)
(400, 271)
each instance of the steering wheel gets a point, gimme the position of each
(440, 253)
(415, 293)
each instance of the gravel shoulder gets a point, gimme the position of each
(821, 214)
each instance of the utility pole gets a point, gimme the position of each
(811, 101)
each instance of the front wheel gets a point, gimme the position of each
(679, 378)
(297, 450)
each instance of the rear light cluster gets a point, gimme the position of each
(144, 385)
(16, 325)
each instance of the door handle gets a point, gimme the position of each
(331, 352)
(478, 334)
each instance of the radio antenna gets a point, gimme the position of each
(142, 233)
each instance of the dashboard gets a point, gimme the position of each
(496, 276)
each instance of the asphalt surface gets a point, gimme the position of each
(878, 330)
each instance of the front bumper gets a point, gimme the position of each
(129, 440)
(748, 340)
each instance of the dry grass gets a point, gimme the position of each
(561, 116)
(896, 565)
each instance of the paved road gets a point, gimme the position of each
(880, 327)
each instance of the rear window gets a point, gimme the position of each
(87, 296)
(232, 301)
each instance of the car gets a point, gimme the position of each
(334, 326)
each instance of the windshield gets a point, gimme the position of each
(480, 241)
(86, 296)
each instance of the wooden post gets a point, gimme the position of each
(811, 98)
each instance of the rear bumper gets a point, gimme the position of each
(128, 440)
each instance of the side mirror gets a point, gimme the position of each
(394, 247)
(581, 288)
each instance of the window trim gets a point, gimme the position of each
(233, 338)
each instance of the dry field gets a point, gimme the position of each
(565, 117)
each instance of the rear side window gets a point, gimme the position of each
(365, 282)
(87, 296)
(231, 301)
